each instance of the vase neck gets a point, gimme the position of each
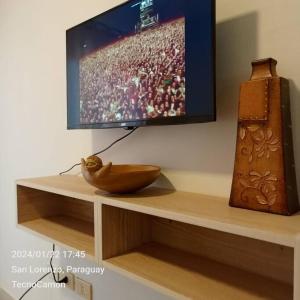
(264, 68)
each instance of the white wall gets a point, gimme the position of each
(35, 142)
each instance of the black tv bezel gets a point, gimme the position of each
(158, 121)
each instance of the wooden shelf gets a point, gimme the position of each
(195, 277)
(201, 210)
(66, 231)
(186, 245)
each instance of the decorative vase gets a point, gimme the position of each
(264, 174)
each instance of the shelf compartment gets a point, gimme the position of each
(194, 262)
(210, 212)
(61, 219)
(195, 277)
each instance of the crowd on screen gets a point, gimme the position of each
(139, 77)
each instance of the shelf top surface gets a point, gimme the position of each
(68, 185)
(201, 210)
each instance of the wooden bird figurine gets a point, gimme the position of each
(93, 170)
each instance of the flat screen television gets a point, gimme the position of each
(144, 62)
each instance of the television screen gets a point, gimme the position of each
(145, 62)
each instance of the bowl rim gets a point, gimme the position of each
(154, 168)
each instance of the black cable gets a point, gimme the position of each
(51, 266)
(112, 144)
(33, 285)
(115, 142)
(64, 280)
(67, 171)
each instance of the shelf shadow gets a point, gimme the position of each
(151, 191)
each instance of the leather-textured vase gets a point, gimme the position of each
(264, 174)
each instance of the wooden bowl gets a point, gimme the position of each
(121, 179)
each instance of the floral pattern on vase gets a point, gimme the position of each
(263, 142)
(258, 187)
